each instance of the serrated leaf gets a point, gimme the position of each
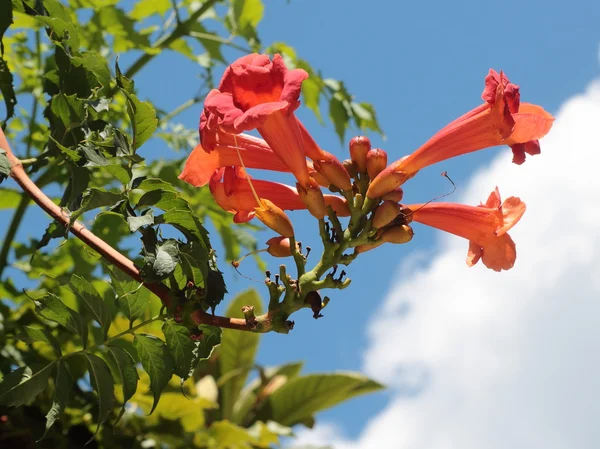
(95, 64)
(165, 200)
(186, 222)
(300, 398)
(63, 384)
(53, 309)
(133, 300)
(181, 347)
(339, 116)
(149, 184)
(8, 91)
(5, 167)
(33, 334)
(95, 198)
(143, 120)
(215, 289)
(194, 262)
(6, 18)
(103, 385)
(157, 362)
(92, 299)
(237, 352)
(211, 339)
(127, 372)
(22, 385)
(146, 219)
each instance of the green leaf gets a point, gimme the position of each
(237, 351)
(5, 167)
(215, 289)
(146, 219)
(364, 117)
(7, 90)
(225, 435)
(95, 198)
(114, 21)
(95, 64)
(133, 299)
(339, 116)
(33, 334)
(127, 373)
(246, 14)
(147, 8)
(194, 262)
(53, 309)
(181, 347)
(311, 92)
(6, 18)
(103, 384)
(186, 222)
(157, 362)
(160, 258)
(301, 397)
(92, 299)
(22, 385)
(63, 384)
(70, 110)
(211, 339)
(9, 198)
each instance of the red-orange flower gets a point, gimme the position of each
(485, 226)
(501, 120)
(233, 193)
(256, 92)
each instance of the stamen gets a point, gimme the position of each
(445, 175)
(256, 197)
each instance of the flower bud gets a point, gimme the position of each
(350, 167)
(275, 218)
(398, 234)
(321, 180)
(385, 214)
(368, 246)
(312, 196)
(333, 170)
(395, 195)
(279, 247)
(376, 162)
(359, 147)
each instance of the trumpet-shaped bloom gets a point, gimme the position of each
(235, 194)
(256, 92)
(501, 120)
(485, 226)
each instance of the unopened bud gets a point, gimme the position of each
(385, 214)
(275, 218)
(333, 170)
(350, 167)
(395, 195)
(376, 162)
(279, 247)
(398, 234)
(312, 196)
(359, 147)
(368, 246)
(321, 180)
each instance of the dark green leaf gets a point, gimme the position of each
(63, 384)
(211, 339)
(160, 258)
(149, 184)
(5, 167)
(53, 309)
(95, 64)
(103, 384)
(54, 230)
(69, 109)
(143, 120)
(22, 386)
(92, 299)
(215, 289)
(301, 397)
(186, 222)
(40, 334)
(6, 18)
(127, 373)
(7, 89)
(194, 262)
(146, 219)
(157, 362)
(165, 200)
(237, 351)
(133, 299)
(181, 347)
(339, 116)
(95, 198)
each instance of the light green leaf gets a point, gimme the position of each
(181, 347)
(311, 93)
(127, 373)
(237, 352)
(147, 8)
(114, 21)
(53, 309)
(339, 116)
(40, 334)
(157, 362)
(22, 385)
(302, 397)
(63, 384)
(103, 385)
(9, 198)
(146, 219)
(92, 299)
(95, 64)
(226, 435)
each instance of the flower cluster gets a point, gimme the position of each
(257, 93)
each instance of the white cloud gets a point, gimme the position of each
(508, 360)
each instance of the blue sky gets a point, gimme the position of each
(421, 64)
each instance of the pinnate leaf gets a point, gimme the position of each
(157, 362)
(22, 385)
(53, 309)
(93, 301)
(40, 334)
(181, 347)
(103, 385)
(127, 373)
(63, 384)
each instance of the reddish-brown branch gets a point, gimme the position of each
(104, 249)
